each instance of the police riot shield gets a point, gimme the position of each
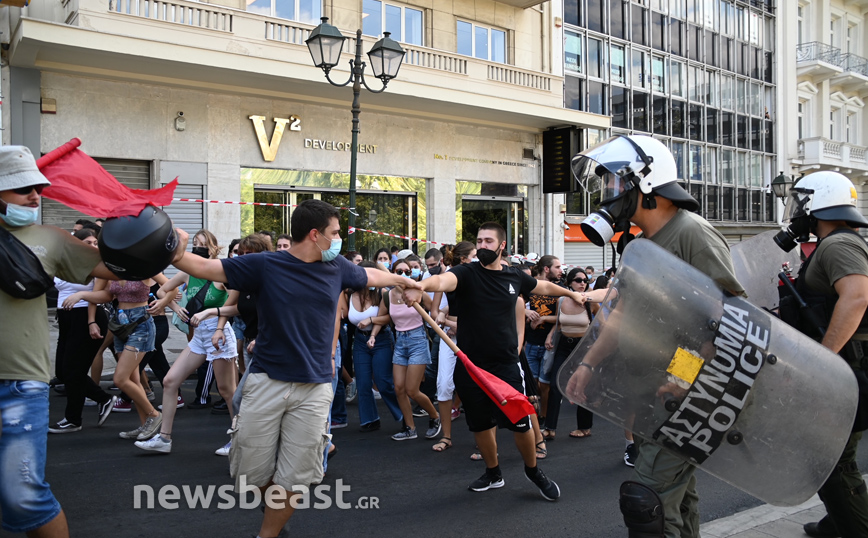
(713, 379)
(757, 262)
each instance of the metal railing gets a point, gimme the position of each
(853, 63)
(190, 14)
(816, 51)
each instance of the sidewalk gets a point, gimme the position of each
(767, 520)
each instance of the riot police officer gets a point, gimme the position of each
(638, 182)
(834, 281)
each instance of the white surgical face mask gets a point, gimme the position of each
(19, 215)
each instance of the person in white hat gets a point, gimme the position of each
(27, 504)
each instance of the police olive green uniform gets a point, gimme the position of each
(844, 492)
(694, 240)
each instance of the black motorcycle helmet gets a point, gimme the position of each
(138, 247)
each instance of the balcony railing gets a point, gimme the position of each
(203, 16)
(816, 51)
(819, 150)
(855, 64)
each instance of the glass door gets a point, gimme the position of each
(508, 212)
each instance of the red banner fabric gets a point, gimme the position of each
(516, 407)
(81, 183)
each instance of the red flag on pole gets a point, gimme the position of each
(513, 403)
(81, 183)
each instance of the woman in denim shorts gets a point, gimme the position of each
(132, 307)
(412, 355)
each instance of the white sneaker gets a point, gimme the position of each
(156, 444)
(89, 403)
(351, 391)
(224, 450)
(377, 395)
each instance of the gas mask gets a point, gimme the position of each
(616, 169)
(799, 224)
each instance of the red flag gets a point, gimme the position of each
(513, 403)
(81, 183)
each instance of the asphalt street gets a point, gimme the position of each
(418, 492)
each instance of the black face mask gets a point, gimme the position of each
(434, 270)
(486, 256)
(201, 251)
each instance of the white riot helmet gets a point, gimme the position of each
(619, 169)
(821, 196)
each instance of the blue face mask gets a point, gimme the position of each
(388, 265)
(414, 273)
(19, 215)
(333, 250)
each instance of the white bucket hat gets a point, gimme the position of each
(18, 169)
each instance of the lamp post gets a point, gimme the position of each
(325, 44)
(781, 185)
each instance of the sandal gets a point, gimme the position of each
(443, 444)
(579, 434)
(476, 456)
(541, 451)
(548, 435)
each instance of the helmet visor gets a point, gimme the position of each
(798, 204)
(607, 168)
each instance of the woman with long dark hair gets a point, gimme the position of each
(372, 354)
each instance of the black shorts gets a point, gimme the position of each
(480, 412)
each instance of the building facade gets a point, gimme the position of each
(825, 88)
(701, 76)
(224, 96)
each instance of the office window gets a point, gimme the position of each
(640, 112)
(727, 167)
(676, 37)
(481, 42)
(678, 123)
(696, 83)
(640, 76)
(572, 52)
(660, 109)
(695, 190)
(658, 31)
(308, 11)
(404, 23)
(711, 122)
(727, 128)
(573, 93)
(695, 123)
(712, 207)
(727, 203)
(658, 74)
(742, 167)
(695, 162)
(694, 42)
(727, 92)
(617, 65)
(741, 126)
(595, 58)
(756, 206)
(768, 134)
(620, 107)
(677, 74)
(572, 12)
(638, 20)
(678, 152)
(597, 15)
(617, 20)
(756, 170)
(756, 105)
(597, 98)
(712, 95)
(743, 204)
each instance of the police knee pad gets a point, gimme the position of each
(642, 510)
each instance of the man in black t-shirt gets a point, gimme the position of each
(486, 294)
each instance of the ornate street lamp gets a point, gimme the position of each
(325, 44)
(781, 185)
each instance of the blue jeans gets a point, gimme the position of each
(26, 500)
(534, 355)
(411, 347)
(142, 338)
(325, 456)
(375, 365)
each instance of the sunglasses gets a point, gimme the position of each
(405, 272)
(24, 191)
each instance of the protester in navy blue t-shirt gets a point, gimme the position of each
(288, 391)
(486, 294)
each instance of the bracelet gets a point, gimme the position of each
(588, 366)
(219, 329)
(93, 323)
